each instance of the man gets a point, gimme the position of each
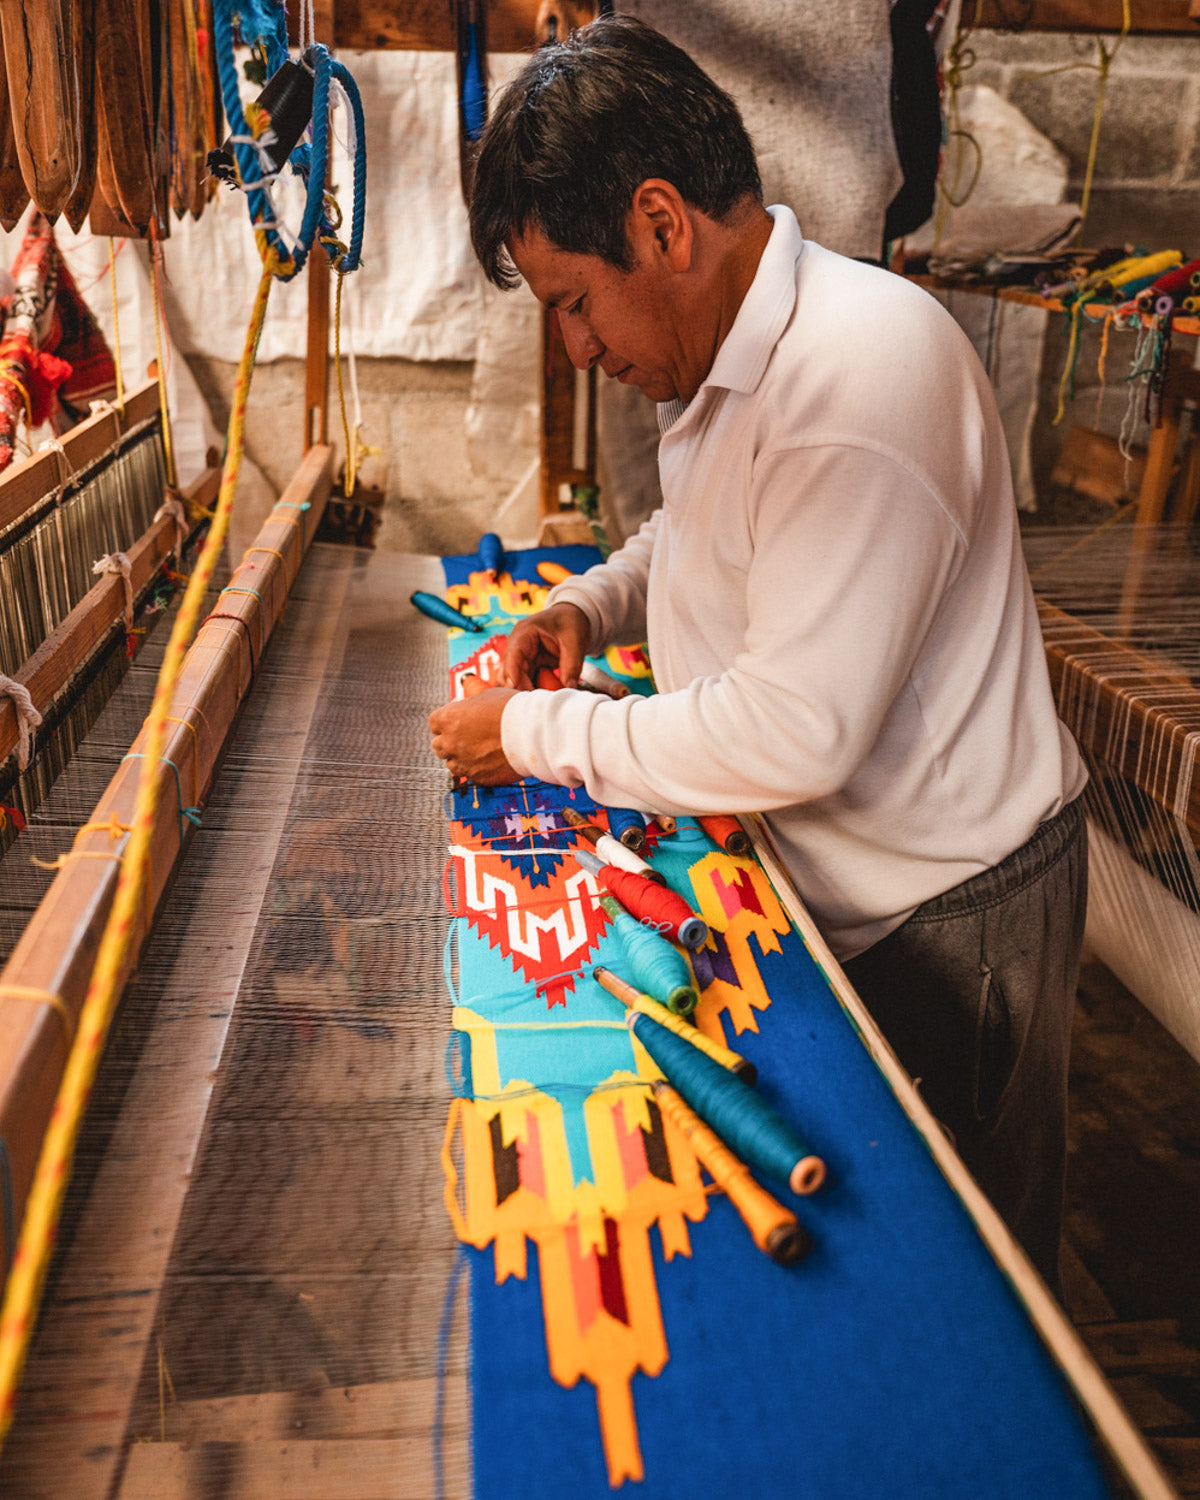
(841, 626)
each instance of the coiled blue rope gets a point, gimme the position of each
(264, 27)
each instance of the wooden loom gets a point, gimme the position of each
(53, 959)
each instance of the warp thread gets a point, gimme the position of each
(28, 718)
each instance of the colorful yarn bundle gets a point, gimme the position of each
(445, 614)
(491, 555)
(633, 999)
(628, 827)
(744, 1121)
(610, 850)
(727, 833)
(775, 1229)
(659, 969)
(658, 906)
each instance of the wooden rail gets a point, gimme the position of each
(74, 639)
(33, 478)
(55, 954)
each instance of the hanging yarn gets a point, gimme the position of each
(118, 562)
(658, 969)
(743, 1120)
(775, 1229)
(656, 905)
(28, 718)
(647, 1005)
(727, 833)
(628, 826)
(491, 555)
(445, 614)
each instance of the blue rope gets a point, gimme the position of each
(263, 24)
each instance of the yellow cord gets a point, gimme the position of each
(112, 280)
(168, 448)
(349, 441)
(45, 1196)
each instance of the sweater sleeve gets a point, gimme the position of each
(851, 555)
(613, 594)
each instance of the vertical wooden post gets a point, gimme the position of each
(560, 415)
(316, 357)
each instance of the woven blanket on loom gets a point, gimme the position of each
(623, 1325)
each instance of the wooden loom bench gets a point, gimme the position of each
(55, 954)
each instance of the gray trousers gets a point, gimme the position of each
(975, 993)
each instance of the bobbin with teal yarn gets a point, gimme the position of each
(743, 1120)
(657, 968)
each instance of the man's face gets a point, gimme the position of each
(619, 320)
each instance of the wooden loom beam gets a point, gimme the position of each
(39, 475)
(71, 643)
(56, 952)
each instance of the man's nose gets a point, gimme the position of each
(583, 347)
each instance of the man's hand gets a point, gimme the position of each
(466, 735)
(557, 637)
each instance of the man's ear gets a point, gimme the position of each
(659, 225)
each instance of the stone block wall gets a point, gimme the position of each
(1146, 188)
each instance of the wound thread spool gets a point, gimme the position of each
(553, 572)
(658, 969)
(491, 554)
(628, 826)
(727, 833)
(657, 905)
(598, 679)
(548, 680)
(633, 999)
(445, 614)
(775, 1229)
(668, 822)
(608, 848)
(744, 1121)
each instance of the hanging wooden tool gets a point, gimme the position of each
(14, 195)
(125, 175)
(83, 45)
(44, 93)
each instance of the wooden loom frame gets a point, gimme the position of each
(55, 953)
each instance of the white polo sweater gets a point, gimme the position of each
(839, 618)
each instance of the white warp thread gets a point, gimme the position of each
(173, 507)
(117, 562)
(28, 717)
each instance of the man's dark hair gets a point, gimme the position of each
(585, 122)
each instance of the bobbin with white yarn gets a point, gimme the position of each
(172, 506)
(28, 717)
(117, 562)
